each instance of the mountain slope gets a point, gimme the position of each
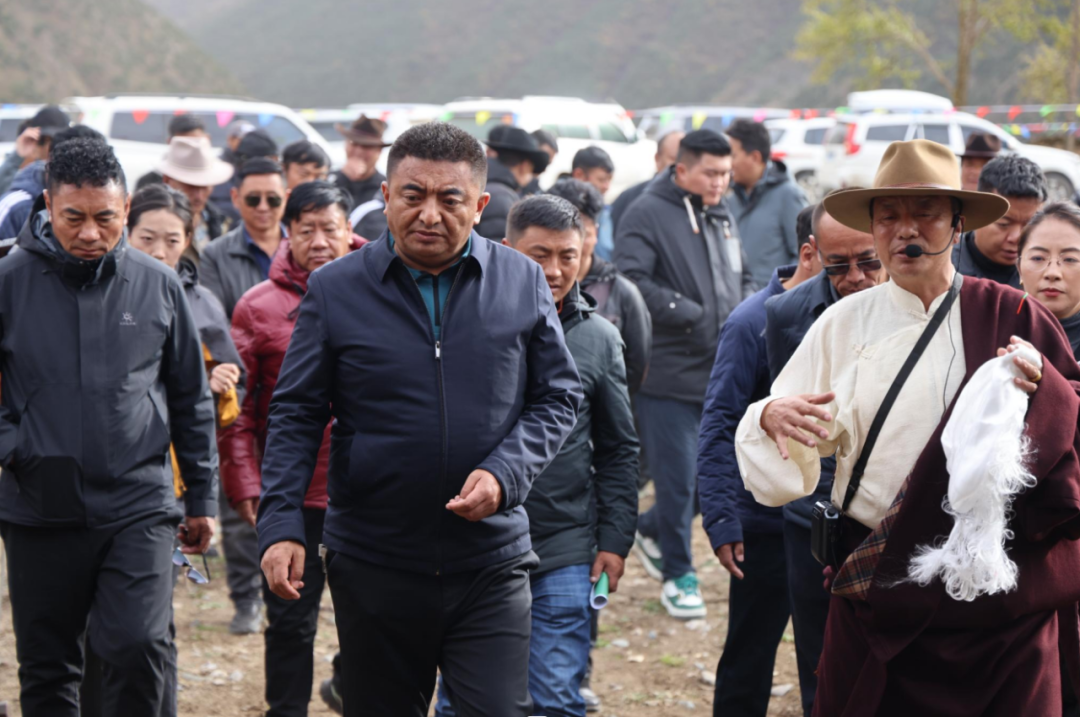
(50, 49)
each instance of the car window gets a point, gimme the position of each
(936, 133)
(9, 129)
(839, 132)
(816, 136)
(327, 130)
(282, 130)
(887, 133)
(480, 123)
(611, 133)
(716, 124)
(775, 135)
(141, 126)
(969, 130)
(574, 131)
(153, 127)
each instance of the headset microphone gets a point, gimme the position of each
(914, 251)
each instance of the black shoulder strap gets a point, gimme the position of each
(894, 390)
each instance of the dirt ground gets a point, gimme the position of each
(646, 662)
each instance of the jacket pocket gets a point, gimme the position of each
(45, 464)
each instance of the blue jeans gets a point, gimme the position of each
(559, 648)
(669, 434)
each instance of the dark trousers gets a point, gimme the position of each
(809, 608)
(396, 627)
(669, 433)
(112, 582)
(290, 635)
(243, 571)
(758, 612)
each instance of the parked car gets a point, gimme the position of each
(658, 121)
(575, 123)
(854, 147)
(800, 144)
(136, 125)
(398, 117)
(898, 101)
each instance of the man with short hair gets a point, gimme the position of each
(305, 161)
(231, 265)
(191, 167)
(991, 252)
(364, 144)
(764, 200)
(89, 408)
(449, 393)
(182, 125)
(929, 614)
(549, 144)
(667, 150)
(514, 159)
(679, 245)
(255, 143)
(262, 323)
(979, 149)
(594, 166)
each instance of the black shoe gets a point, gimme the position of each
(330, 696)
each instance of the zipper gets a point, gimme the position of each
(440, 321)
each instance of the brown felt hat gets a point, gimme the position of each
(365, 130)
(919, 168)
(982, 145)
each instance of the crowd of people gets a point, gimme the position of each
(439, 391)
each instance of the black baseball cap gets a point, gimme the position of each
(50, 119)
(257, 143)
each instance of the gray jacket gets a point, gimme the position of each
(690, 280)
(102, 369)
(228, 269)
(766, 218)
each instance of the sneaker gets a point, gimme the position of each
(592, 702)
(682, 597)
(247, 620)
(330, 696)
(648, 552)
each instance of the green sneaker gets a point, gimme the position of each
(648, 552)
(682, 597)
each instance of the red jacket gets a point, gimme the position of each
(262, 325)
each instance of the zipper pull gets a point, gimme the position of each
(438, 350)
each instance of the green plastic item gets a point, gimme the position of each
(599, 597)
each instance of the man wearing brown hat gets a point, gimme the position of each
(363, 147)
(192, 167)
(980, 148)
(873, 383)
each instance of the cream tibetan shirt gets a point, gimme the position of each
(856, 349)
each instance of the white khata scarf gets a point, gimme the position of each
(986, 453)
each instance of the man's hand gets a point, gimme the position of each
(1030, 370)
(611, 564)
(194, 534)
(479, 497)
(26, 144)
(729, 556)
(248, 510)
(790, 418)
(224, 377)
(283, 566)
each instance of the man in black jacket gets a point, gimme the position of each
(449, 393)
(87, 509)
(515, 159)
(678, 244)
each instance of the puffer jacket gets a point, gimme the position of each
(262, 326)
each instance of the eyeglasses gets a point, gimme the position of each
(1040, 263)
(864, 266)
(181, 561)
(254, 200)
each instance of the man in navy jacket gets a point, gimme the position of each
(747, 537)
(441, 360)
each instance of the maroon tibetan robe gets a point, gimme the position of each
(911, 650)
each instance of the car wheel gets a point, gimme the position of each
(1059, 188)
(810, 185)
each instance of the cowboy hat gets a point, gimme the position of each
(507, 138)
(365, 131)
(191, 160)
(918, 168)
(982, 145)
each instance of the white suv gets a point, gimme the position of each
(575, 123)
(855, 146)
(137, 125)
(800, 145)
(397, 116)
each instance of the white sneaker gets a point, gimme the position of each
(648, 552)
(682, 597)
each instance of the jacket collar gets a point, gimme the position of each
(384, 255)
(576, 307)
(822, 294)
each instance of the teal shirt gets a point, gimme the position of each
(436, 288)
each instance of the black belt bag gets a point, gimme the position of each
(826, 526)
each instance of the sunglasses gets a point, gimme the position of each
(841, 269)
(181, 561)
(254, 200)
